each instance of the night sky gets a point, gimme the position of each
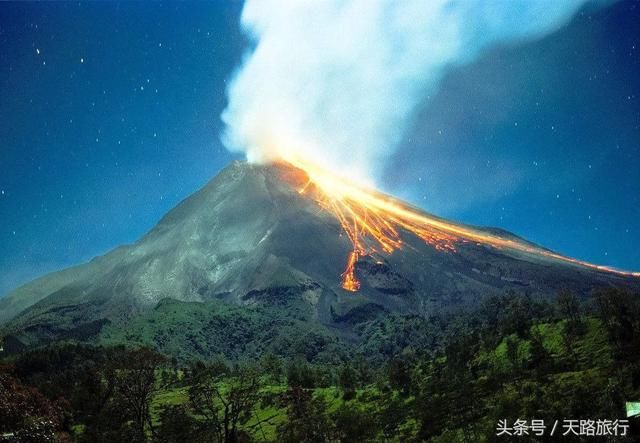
(109, 116)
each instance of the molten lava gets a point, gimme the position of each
(375, 223)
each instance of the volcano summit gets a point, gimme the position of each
(267, 247)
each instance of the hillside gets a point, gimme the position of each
(249, 239)
(511, 359)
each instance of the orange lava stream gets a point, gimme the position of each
(374, 222)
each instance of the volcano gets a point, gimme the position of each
(265, 246)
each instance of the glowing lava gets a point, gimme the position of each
(374, 223)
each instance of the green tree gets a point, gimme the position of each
(392, 413)
(354, 424)
(178, 425)
(620, 314)
(569, 305)
(347, 381)
(225, 403)
(301, 374)
(399, 374)
(513, 353)
(271, 365)
(307, 420)
(135, 380)
(540, 359)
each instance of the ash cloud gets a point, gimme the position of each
(339, 82)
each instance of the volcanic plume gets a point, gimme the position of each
(338, 83)
(330, 88)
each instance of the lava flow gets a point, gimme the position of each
(374, 223)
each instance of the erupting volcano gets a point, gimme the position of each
(299, 239)
(375, 223)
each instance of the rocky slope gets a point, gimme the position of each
(248, 238)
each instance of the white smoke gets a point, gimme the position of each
(339, 81)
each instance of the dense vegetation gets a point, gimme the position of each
(409, 379)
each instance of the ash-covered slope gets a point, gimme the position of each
(249, 238)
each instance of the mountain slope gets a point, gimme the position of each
(249, 238)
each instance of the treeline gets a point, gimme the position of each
(514, 357)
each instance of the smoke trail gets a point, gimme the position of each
(338, 82)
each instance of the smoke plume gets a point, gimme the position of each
(339, 82)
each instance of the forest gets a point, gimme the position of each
(514, 357)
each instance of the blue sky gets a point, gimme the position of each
(110, 115)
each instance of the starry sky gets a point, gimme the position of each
(110, 115)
